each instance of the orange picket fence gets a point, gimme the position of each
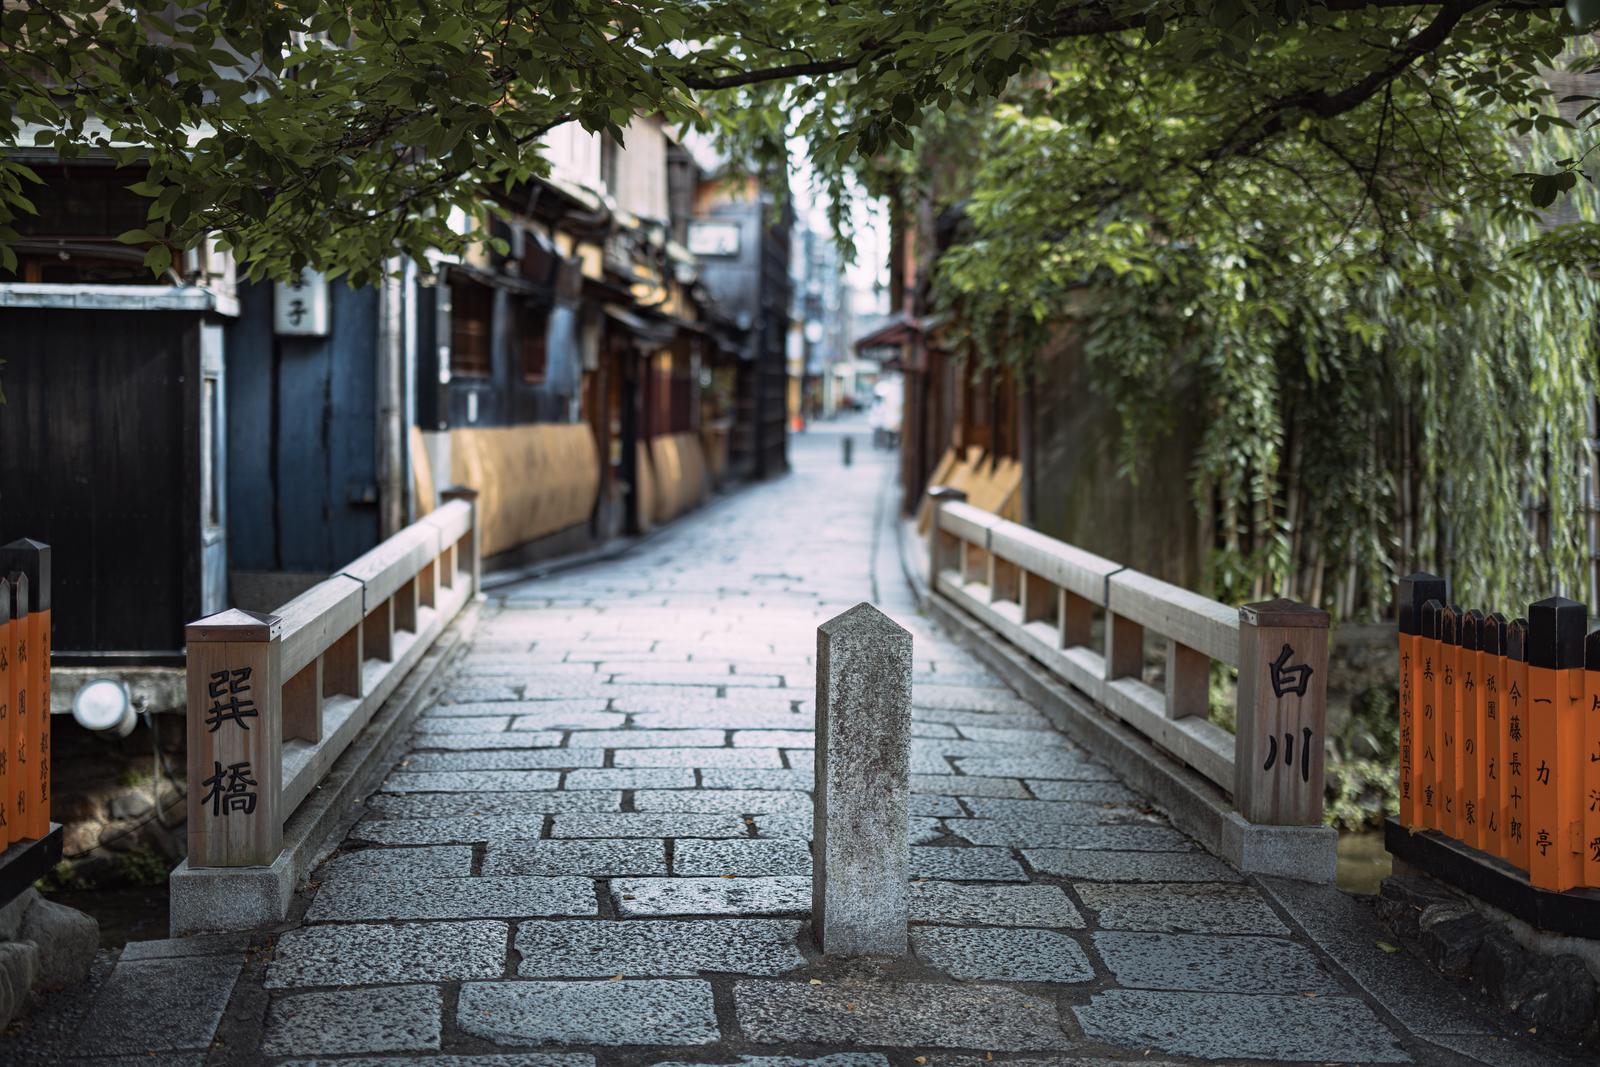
(1500, 732)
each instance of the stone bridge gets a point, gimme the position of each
(594, 850)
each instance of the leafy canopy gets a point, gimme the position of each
(335, 134)
(1387, 353)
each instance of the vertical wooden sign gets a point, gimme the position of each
(1590, 760)
(1514, 746)
(8, 652)
(1428, 723)
(1282, 702)
(23, 777)
(235, 740)
(1415, 591)
(32, 558)
(1554, 726)
(1469, 784)
(1449, 718)
(1492, 668)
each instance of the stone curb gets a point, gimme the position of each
(1307, 853)
(215, 899)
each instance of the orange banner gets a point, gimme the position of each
(1469, 784)
(1492, 671)
(1428, 647)
(1415, 591)
(1448, 718)
(21, 784)
(8, 652)
(1514, 746)
(39, 741)
(1556, 629)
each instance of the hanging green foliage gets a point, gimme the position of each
(1391, 356)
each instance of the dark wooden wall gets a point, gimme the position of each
(302, 437)
(93, 462)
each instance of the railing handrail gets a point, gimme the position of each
(1039, 594)
(275, 699)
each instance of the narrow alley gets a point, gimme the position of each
(597, 848)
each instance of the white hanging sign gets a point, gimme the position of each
(300, 307)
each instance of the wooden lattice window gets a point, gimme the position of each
(471, 317)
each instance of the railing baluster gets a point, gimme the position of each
(1188, 681)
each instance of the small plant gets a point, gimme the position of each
(63, 877)
(142, 866)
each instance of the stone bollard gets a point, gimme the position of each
(861, 854)
(849, 443)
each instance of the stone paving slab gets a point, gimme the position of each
(385, 864)
(526, 808)
(766, 779)
(379, 1019)
(1201, 963)
(967, 786)
(741, 857)
(1218, 1025)
(448, 830)
(773, 739)
(450, 740)
(966, 864)
(511, 1059)
(657, 948)
(992, 905)
(723, 801)
(1048, 839)
(897, 1015)
(1000, 955)
(836, 1059)
(470, 781)
(159, 1005)
(1184, 907)
(743, 758)
(592, 859)
(453, 898)
(1098, 792)
(375, 954)
(1058, 811)
(646, 1012)
(507, 1059)
(649, 778)
(589, 713)
(646, 738)
(1054, 768)
(712, 715)
(1086, 865)
(482, 724)
(711, 896)
(640, 824)
(511, 759)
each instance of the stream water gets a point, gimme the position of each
(1363, 863)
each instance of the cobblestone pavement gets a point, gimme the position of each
(596, 853)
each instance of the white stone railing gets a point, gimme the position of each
(1041, 596)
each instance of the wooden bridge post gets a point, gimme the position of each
(235, 740)
(1282, 710)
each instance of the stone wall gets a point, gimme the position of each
(122, 810)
